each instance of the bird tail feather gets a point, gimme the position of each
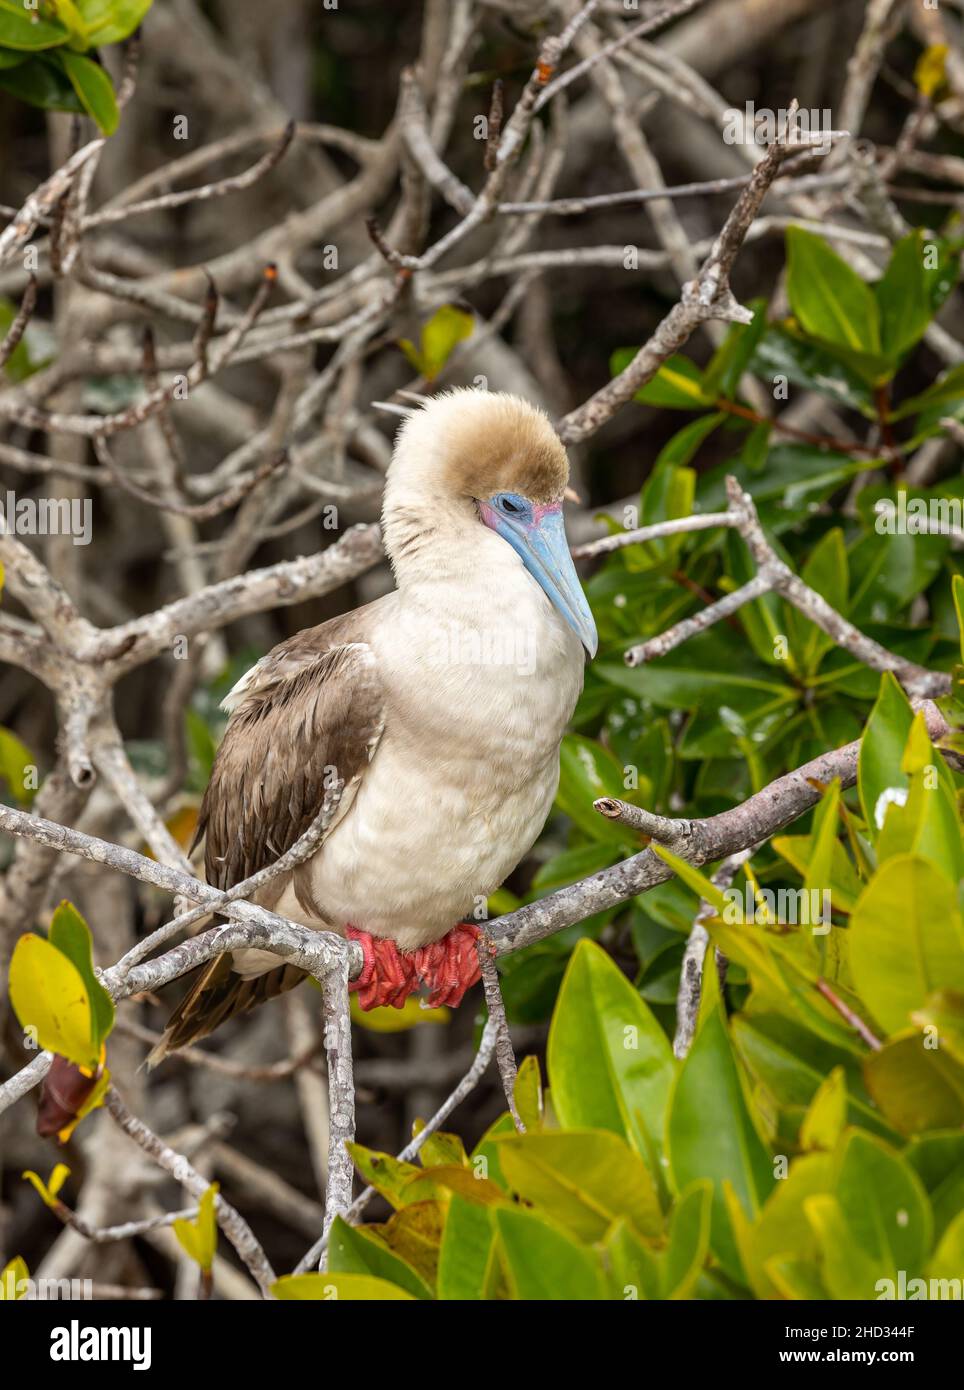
(218, 994)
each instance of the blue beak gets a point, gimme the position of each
(540, 542)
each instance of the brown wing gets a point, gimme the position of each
(309, 712)
(301, 722)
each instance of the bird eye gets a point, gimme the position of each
(508, 505)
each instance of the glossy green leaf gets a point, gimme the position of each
(677, 384)
(918, 1086)
(588, 771)
(527, 1094)
(469, 1267)
(94, 89)
(21, 29)
(543, 1264)
(583, 1180)
(110, 21)
(902, 297)
(879, 778)
(610, 1063)
(71, 935)
(829, 299)
(884, 1224)
(906, 940)
(352, 1251)
(827, 1114)
(710, 1134)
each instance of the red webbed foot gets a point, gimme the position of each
(388, 974)
(447, 968)
(451, 966)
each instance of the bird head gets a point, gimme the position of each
(470, 459)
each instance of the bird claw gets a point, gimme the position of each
(448, 968)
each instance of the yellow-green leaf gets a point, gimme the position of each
(11, 1277)
(16, 761)
(333, 1288)
(71, 935)
(827, 1114)
(94, 89)
(906, 940)
(50, 1000)
(198, 1238)
(527, 1094)
(930, 71)
(389, 1020)
(47, 1191)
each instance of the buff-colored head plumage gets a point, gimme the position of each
(472, 444)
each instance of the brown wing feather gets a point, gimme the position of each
(311, 710)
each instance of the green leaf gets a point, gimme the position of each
(94, 90)
(668, 493)
(917, 1086)
(686, 442)
(902, 297)
(385, 1173)
(689, 1240)
(938, 1160)
(542, 1263)
(110, 21)
(71, 935)
(947, 390)
(703, 886)
(50, 1000)
(906, 940)
(824, 1121)
(70, 16)
(588, 771)
(447, 327)
(785, 352)
(929, 823)
(825, 571)
(829, 299)
(634, 1268)
(352, 1251)
(332, 1288)
(732, 357)
(584, 1180)
(958, 590)
(43, 82)
(16, 760)
(676, 386)
(527, 1094)
(27, 32)
(879, 778)
(885, 1222)
(710, 1134)
(468, 1266)
(610, 1063)
(823, 845)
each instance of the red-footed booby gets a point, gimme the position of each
(440, 707)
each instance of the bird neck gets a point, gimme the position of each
(438, 541)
